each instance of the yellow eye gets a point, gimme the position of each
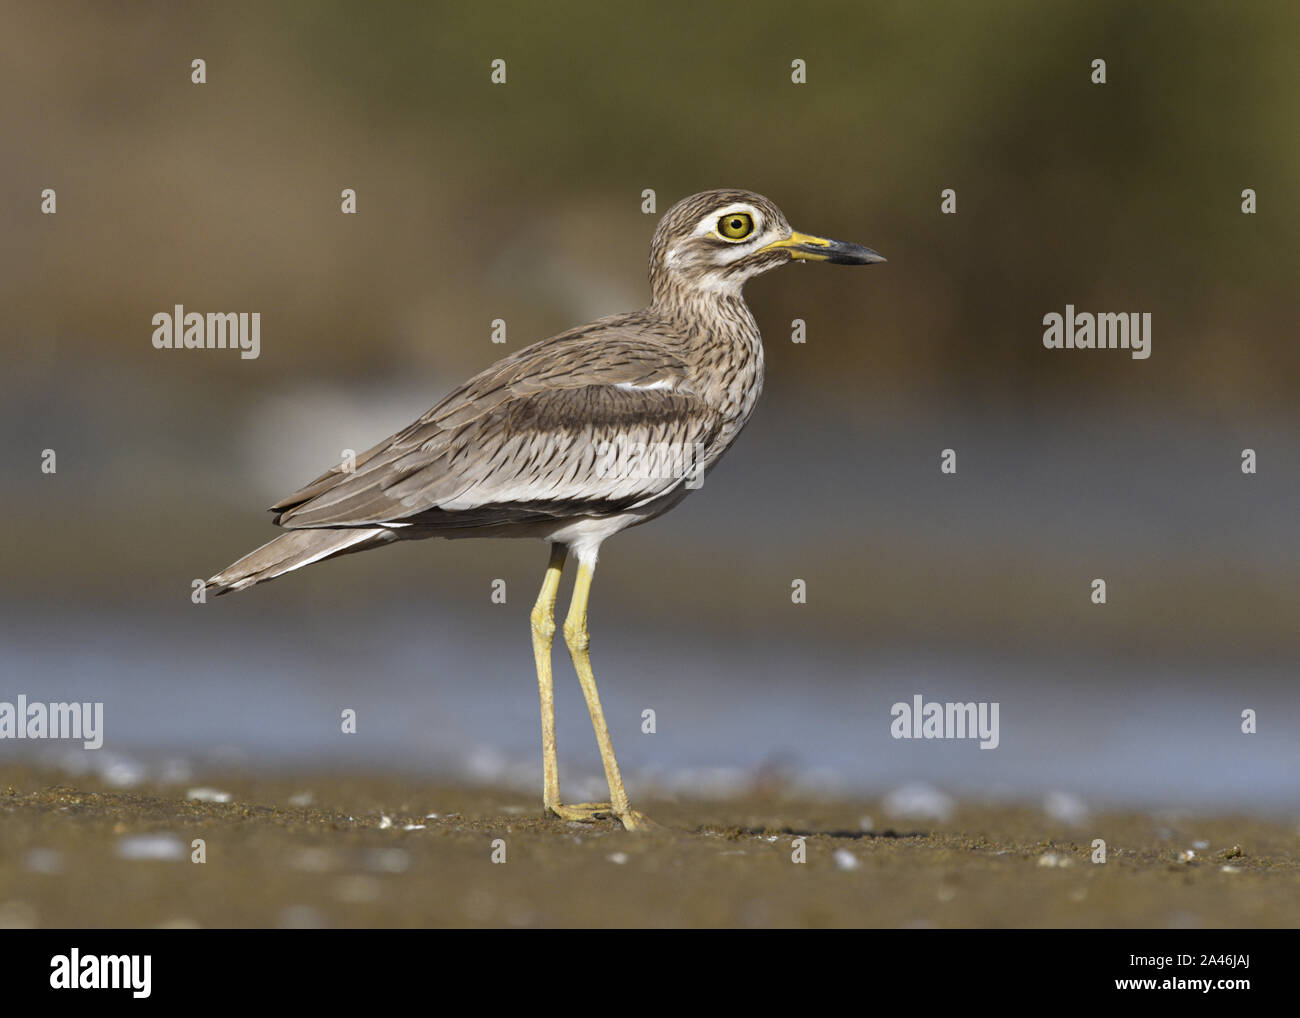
(736, 225)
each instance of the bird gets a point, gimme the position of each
(572, 440)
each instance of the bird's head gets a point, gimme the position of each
(715, 240)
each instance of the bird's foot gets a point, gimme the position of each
(582, 812)
(587, 812)
(634, 821)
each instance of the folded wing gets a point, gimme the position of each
(568, 427)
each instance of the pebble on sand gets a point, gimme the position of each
(152, 847)
(846, 860)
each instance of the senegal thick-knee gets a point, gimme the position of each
(572, 440)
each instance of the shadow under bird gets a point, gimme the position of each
(572, 439)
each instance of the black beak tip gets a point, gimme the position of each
(854, 254)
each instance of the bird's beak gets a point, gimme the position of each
(803, 247)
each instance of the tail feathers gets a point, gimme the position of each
(293, 550)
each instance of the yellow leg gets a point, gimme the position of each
(543, 623)
(579, 642)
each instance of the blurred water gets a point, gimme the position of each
(454, 694)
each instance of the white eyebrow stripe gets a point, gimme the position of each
(707, 225)
(662, 383)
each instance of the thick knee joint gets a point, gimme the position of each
(543, 622)
(576, 636)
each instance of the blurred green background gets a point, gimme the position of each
(522, 201)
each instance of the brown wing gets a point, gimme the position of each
(594, 421)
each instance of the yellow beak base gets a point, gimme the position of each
(805, 247)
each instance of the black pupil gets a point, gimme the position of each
(736, 224)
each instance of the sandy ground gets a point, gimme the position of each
(318, 850)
